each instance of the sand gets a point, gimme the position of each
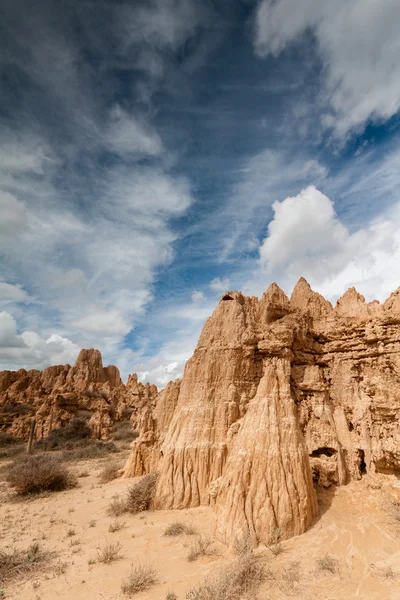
(358, 537)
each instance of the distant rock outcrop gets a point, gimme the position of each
(278, 393)
(57, 394)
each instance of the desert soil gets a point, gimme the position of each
(356, 533)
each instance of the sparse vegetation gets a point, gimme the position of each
(16, 563)
(109, 472)
(200, 547)
(328, 563)
(71, 532)
(141, 495)
(122, 431)
(141, 578)
(240, 579)
(116, 507)
(92, 523)
(275, 543)
(110, 553)
(179, 528)
(116, 525)
(36, 474)
(171, 596)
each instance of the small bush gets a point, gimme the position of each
(109, 553)
(122, 430)
(88, 449)
(200, 547)
(71, 532)
(17, 562)
(275, 542)
(141, 578)
(109, 472)
(179, 528)
(77, 429)
(92, 523)
(117, 506)
(171, 596)
(116, 525)
(6, 439)
(36, 474)
(141, 495)
(327, 563)
(238, 580)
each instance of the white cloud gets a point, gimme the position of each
(220, 285)
(198, 296)
(306, 238)
(359, 45)
(128, 135)
(31, 350)
(12, 293)
(103, 322)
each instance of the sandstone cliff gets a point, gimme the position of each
(57, 394)
(278, 393)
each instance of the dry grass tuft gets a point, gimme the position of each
(141, 578)
(109, 472)
(200, 547)
(328, 563)
(117, 506)
(171, 596)
(240, 579)
(275, 542)
(141, 495)
(116, 525)
(36, 474)
(179, 528)
(18, 562)
(109, 553)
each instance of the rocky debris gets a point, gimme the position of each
(278, 393)
(57, 394)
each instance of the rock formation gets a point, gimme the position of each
(278, 393)
(57, 394)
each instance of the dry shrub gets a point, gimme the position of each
(6, 439)
(392, 508)
(239, 580)
(200, 547)
(117, 506)
(179, 528)
(141, 495)
(275, 542)
(109, 472)
(122, 431)
(141, 578)
(171, 596)
(36, 474)
(109, 553)
(76, 429)
(116, 525)
(327, 563)
(16, 563)
(88, 449)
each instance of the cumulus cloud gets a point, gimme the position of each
(220, 284)
(359, 45)
(12, 293)
(30, 349)
(307, 238)
(198, 296)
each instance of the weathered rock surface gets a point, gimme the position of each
(277, 394)
(59, 393)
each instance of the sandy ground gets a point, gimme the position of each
(357, 534)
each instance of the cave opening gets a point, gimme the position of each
(363, 464)
(326, 451)
(351, 426)
(227, 297)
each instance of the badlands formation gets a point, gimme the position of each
(278, 396)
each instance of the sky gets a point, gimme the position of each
(155, 154)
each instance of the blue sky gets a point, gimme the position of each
(155, 154)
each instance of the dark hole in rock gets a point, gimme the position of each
(351, 426)
(363, 465)
(324, 451)
(227, 297)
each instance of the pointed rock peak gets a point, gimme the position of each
(89, 357)
(305, 299)
(351, 304)
(273, 305)
(392, 304)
